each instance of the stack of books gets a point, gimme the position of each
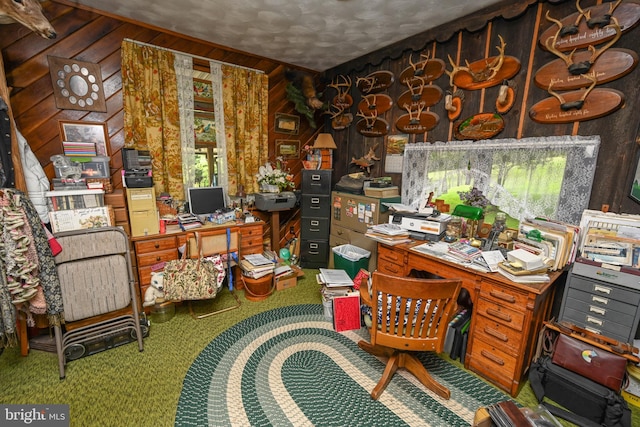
(389, 234)
(464, 251)
(189, 221)
(519, 274)
(337, 287)
(256, 266)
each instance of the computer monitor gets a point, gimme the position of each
(206, 200)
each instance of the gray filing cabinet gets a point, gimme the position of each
(314, 218)
(602, 300)
(351, 215)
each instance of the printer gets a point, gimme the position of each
(433, 226)
(136, 168)
(271, 202)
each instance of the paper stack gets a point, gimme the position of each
(390, 234)
(256, 266)
(463, 251)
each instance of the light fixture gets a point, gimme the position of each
(326, 145)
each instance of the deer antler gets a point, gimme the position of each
(371, 105)
(369, 81)
(370, 120)
(495, 66)
(416, 94)
(572, 29)
(414, 120)
(456, 69)
(487, 73)
(578, 103)
(422, 63)
(342, 88)
(603, 20)
(584, 66)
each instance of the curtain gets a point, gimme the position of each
(183, 65)
(152, 117)
(542, 176)
(245, 98)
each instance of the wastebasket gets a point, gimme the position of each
(350, 258)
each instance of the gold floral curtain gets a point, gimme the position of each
(152, 118)
(245, 96)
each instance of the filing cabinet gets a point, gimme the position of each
(315, 211)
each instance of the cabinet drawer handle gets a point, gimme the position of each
(393, 270)
(597, 310)
(158, 258)
(315, 178)
(499, 314)
(315, 200)
(313, 252)
(496, 334)
(315, 223)
(314, 230)
(602, 289)
(601, 300)
(503, 296)
(493, 358)
(594, 330)
(594, 320)
(156, 245)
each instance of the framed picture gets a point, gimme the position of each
(205, 128)
(92, 132)
(287, 123)
(202, 91)
(288, 149)
(635, 183)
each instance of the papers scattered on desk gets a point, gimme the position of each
(258, 259)
(388, 229)
(493, 258)
(522, 278)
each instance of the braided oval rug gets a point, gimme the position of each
(288, 366)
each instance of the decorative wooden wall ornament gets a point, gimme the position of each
(479, 126)
(420, 94)
(627, 14)
(417, 121)
(506, 98)
(577, 106)
(453, 104)
(581, 67)
(77, 85)
(339, 119)
(380, 103)
(375, 82)
(484, 73)
(371, 125)
(426, 70)
(611, 65)
(341, 102)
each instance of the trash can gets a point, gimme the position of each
(351, 259)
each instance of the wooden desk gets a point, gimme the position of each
(506, 319)
(151, 250)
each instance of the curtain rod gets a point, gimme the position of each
(193, 56)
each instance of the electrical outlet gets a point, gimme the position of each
(292, 230)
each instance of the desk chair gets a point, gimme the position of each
(416, 322)
(215, 242)
(98, 293)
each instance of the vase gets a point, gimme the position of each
(269, 188)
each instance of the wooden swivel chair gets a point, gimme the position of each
(417, 321)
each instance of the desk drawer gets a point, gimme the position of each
(603, 302)
(314, 253)
(597, 324)
(315, 206)
(493, 364)
(156, 257)
(387, 254)
(609, 313)
(504, 296)
(154, 245)
(603, 289)
(314, 228)
(498, 335)
(499, 313)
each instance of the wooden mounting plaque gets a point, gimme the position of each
(375, 82)
(377, 103)
(345, 101)
(627, 14)
(425, 122)
(379, 128)
(433, 68)
(611, 65)
(430, 95)
(479, 126)
(510, 68)
(599, 103)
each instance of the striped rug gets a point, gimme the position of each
(288, 366)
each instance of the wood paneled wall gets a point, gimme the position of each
(86, 35)
(520, 23)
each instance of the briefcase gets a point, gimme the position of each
(599, 365)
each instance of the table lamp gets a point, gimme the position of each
(472, 214)
(326, 145)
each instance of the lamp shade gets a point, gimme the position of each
(325, 140)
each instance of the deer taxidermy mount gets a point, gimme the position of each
(484, 73)
(375, 82)
(420, 94)
(302, 92)
(27, 13)
(426, 70)
(371, 125)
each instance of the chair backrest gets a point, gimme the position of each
(410, 313)
(95, 272)
(213, 242)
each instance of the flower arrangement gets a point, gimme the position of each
(474, 197)
(270, 177)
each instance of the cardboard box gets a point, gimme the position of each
(382, 191)
(77, 219)
(290, 280)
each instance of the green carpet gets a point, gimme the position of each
(289, 367)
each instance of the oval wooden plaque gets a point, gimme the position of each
(627, 14)
(425, 122)
(611, 65)
(599, 103)
(379, 128)
(345, 101)
(429, 96)
(510, 68)
(375, 82)
(479, 126)
(433, 69)
(377, 103)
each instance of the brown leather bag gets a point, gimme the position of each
(599, 365)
